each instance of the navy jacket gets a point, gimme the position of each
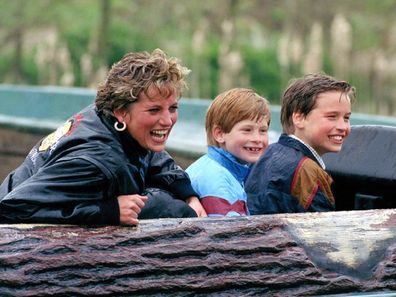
(75, 174)
(288, 179)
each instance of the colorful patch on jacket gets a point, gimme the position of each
(308, 178)
(220, 206)
(66, 129)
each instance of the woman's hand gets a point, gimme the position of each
(194, 203)
(130, 207)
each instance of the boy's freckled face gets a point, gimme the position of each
(247, 140)
(327, 125)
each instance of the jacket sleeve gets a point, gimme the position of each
(311, 186)
(69, 191)
(165, 174)
(307, 189)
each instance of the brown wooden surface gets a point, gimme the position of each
(276, 255)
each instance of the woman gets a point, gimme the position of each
(97, 167)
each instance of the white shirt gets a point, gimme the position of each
(316, 155)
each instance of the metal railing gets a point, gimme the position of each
(41, 109)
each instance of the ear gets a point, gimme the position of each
(119, 114)
(298, 120)
(218, 134)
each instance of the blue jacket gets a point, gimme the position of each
(219, 178)
(75, 174)
(287, 179)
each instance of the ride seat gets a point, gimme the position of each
(364, 171)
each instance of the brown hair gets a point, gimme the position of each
(136, 73)
(233, 106)
(300, 96)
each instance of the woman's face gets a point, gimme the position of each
(150, 119)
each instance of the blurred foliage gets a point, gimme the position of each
(263, 69)
(267, 42)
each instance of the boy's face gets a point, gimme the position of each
(327, 125)
(247, 140)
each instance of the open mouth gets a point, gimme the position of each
(253, 149)
(337, 138)
(159, 134)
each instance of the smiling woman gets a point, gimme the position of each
(101, 166)
(151, 119)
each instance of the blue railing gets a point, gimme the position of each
(39, 109)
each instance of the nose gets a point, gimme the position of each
(257, 137)
(168, 118)
(342, 124)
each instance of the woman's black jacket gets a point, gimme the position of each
(75, 175)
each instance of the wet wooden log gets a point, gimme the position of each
(274, 255)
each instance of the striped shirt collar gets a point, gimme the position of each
(316, 155)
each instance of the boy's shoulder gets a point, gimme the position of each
(210, 171)
(209, 178)
(204, 167)
(287, 148)
(284, 150)
(281, 159)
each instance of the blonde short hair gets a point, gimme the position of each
(233, 106)
(136, 73)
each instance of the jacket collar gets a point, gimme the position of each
(230, 162)
(296, 143)
(314, 153)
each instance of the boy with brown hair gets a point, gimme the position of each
(290, 176)
(236, 125)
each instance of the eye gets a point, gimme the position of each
(263, 130)
(173, 108)
(154, 110)
(246, 129)
(347, 118)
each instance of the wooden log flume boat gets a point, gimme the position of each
(349, 252)
(269, 255)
